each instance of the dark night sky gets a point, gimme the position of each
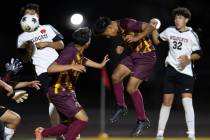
(57, 13)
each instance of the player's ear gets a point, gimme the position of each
(186, 20)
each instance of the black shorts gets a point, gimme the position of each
(176, 82)
(45, 80)
(2, 110)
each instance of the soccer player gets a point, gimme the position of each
(138, 64)
(46, 40)
(10, 118)
(184, 49)
(69, 65)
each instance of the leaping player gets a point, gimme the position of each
(138, 64)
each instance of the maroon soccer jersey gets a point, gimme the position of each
(64, 82)
(132, 27)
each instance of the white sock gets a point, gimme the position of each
(51, 108)
(189, 115)
(163, 118)
(8, 133)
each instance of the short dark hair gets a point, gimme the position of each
(31, 6)
(101, 24)
(81, 36)
(181, 11)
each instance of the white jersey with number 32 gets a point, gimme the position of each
(180, 43)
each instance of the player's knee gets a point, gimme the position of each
(115, 78)
(84, 118)
(14, 120)
(131, 89)
(17, 120)
(167, 101)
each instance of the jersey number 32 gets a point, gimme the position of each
(177, 45)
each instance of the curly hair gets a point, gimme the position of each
(181, 11)
(30, 6)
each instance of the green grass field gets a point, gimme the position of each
(123, 138)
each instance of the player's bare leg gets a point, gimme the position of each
(132, 89)
(118, 75)
(189, 114)
(164, 114)
(11, 120)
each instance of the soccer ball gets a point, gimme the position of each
(29, 23)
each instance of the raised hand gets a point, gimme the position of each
(20, 96)
(14, 66)
(105, 60)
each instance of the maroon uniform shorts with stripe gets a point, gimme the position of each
(140, 64)
(66, 104)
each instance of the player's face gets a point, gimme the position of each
(31, 12)
(111, 30)
(180, 21)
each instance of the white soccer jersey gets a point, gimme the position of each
(42, 58)
(180, 43)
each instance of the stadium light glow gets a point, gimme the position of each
(76, 19)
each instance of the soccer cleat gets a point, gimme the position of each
(78, 137)
(38, 133)
(141, 125)
(60, 137)
(120, 113)
(159, 138)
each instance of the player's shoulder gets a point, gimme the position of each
(70, 47)
(23, 35)
(193, 33)
(47, 26)
(171, 28)
(127, 20)
(69, 50)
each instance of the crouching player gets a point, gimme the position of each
(69, 65)
(10, 118)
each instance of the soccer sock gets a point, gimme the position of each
(189, 115)
(75, 128)
(119, 94)
(51, 108)
(163, 118)
(8, 133)
(139, 105)
(55, 131)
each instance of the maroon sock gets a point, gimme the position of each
(55, 131)
(138, 104)
(119, 94)
(75, 128)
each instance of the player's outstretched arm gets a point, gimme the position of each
(155, 36)
(146, 30)
(55, 68)
(93, 64)
(31, 84)
(58, 45)
(6, 87)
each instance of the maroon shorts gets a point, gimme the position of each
(140, 65)
(66, 104)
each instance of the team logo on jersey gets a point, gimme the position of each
(43, 31)
(35, 39)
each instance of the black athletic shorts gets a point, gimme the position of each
(45, 80)
(2, 110)
(176, 82)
